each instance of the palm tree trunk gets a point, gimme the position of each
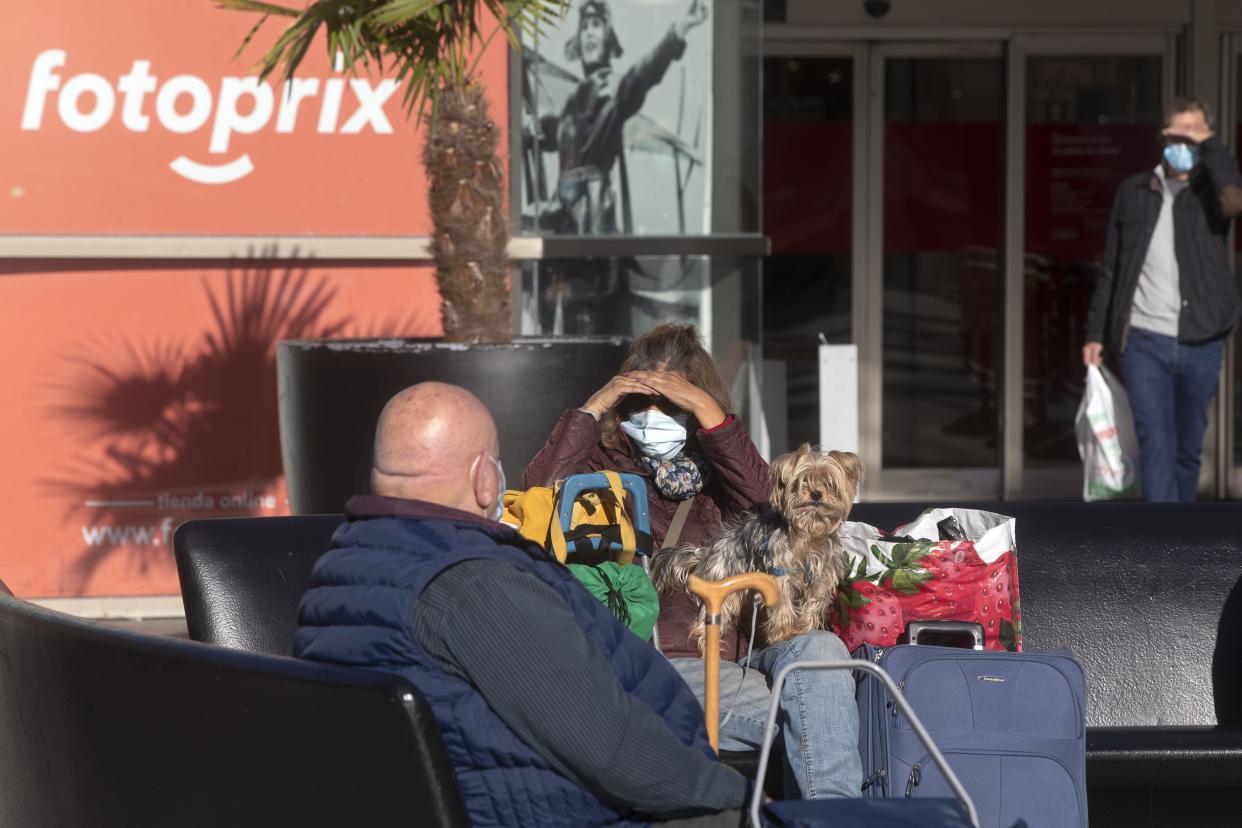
(470, 233)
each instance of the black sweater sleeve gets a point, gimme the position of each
(515, 640)
(1222, 170)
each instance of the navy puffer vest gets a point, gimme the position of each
(359, 611)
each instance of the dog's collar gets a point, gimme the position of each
(778, 571)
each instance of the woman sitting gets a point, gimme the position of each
(665, 418)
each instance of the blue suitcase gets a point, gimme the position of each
(954, 810)
(1012, 726)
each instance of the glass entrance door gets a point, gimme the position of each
(965, 189)
(808, 195)
(991, 169)
(930, 337)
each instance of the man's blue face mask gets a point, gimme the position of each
(1181, 158)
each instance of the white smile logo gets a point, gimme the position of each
(184, 104)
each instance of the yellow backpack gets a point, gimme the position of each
(600, 528)
(601, 541)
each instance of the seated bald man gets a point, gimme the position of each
(552, 712)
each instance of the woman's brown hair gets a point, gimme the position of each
(675, 348)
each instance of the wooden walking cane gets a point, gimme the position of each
(713, 595)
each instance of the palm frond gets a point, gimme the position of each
(428, 43)
(402, 11)
(254, 30)
(256, 6)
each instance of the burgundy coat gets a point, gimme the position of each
(741, 480)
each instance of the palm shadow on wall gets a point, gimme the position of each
(185, 417)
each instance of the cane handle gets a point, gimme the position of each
(714, 593)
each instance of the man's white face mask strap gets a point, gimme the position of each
(498, 510)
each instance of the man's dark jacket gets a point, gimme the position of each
(359, 611)
(1202, 214)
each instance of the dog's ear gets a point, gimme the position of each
(782, 469)
(852, 464)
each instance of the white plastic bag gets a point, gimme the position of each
(1107, 442)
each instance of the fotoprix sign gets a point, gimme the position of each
(134, 118)
(184, 104)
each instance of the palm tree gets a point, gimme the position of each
(434, 46)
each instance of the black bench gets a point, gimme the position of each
(242, 578)
(1147, 596)
(104, 727)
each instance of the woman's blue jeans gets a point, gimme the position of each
(818, 715)
(1170, 387)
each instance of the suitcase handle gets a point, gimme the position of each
(765, 751)
(972, 628)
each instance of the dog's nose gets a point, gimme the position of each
(815, 495)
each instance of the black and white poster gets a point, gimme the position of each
(616, 136)
(616, 106)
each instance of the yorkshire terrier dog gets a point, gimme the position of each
(795, 541)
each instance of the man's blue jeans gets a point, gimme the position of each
(818, 714)
(1170, 387)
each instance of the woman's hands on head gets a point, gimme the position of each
(667, 384)
(606, 398)
(682, 393)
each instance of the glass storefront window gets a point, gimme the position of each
(807, 199)
(1090, 123)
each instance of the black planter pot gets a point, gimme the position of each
(332, 391)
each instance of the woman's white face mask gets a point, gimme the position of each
(657, 434)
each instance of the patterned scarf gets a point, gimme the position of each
(680, 478)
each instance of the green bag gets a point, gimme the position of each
(625, 590)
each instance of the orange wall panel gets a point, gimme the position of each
(134, 399)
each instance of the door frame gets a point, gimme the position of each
(1228, 120)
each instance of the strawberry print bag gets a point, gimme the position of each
(914, 575)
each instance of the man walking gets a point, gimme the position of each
(1165, 297)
